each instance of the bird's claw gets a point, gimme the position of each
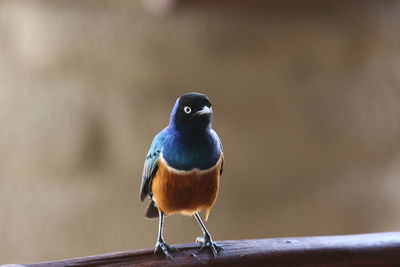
(164, 248)
(207, 242)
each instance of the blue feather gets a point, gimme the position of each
(189, 150)
(150, 164)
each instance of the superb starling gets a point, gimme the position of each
(182, 168)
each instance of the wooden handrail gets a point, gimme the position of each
(377, 249)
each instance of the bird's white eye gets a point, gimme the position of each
(187, 109)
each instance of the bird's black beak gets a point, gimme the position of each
(205, 110)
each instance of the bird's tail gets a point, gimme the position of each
(152, 211)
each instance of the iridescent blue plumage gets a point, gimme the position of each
(150, 164)
(186, 150)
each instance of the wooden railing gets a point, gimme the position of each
(378, 249)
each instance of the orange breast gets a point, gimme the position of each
(185, 192)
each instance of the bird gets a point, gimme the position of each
(181, 173)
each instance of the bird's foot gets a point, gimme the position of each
(207, 242)
(164, 248)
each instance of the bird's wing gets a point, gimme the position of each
(151, 165)
(222, 150)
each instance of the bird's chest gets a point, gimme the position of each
(187, 152)
(185, 191)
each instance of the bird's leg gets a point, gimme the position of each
(206, 240)
(161, 246)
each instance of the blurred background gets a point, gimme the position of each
(306, 101)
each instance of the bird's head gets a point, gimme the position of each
(192, 111)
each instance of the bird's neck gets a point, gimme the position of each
(191, 136)
(191, 130)
(188, 149)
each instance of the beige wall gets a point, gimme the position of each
(306, 103)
